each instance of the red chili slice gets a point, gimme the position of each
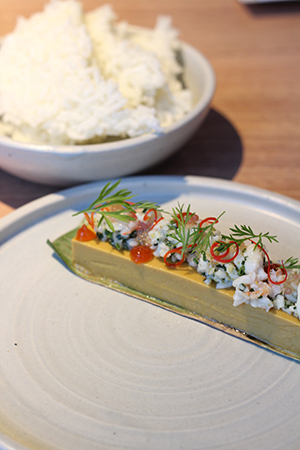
(155, 222)
(146, 216)
(191, 216)
(89, 219)
(284, 271)
(208, 220)
(169, 253)
(269, 267)
(222, 258)
(273, 266)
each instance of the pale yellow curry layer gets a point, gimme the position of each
(184, 287)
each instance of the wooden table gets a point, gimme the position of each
(252, 133)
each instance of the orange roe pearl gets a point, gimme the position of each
(141, 254)
(85, 234)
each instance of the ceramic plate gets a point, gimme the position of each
(84, 367)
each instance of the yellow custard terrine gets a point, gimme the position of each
(184, 287)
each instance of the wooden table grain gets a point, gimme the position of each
(252, 132)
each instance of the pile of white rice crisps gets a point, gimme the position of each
(68, 77)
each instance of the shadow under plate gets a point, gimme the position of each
(215, 150)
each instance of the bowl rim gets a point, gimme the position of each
(76, 149)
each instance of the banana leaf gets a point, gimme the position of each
(63, 249)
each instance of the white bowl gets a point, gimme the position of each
(74, 164)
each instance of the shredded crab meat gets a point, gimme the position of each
(247, 271)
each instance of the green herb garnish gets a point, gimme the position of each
(291, 263)
(244, 233)
(181, 233)
(122, 198)
(196, 238)
(202, 237)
